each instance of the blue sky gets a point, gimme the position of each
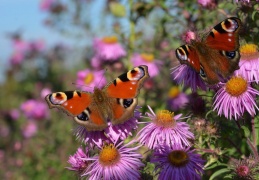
(24, 15)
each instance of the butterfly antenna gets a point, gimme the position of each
(101, 78)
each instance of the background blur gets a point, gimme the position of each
(45, 43)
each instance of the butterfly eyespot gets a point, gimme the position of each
(127, 102)
(180, 54)
(202, 73)
(83, 117)
(229, 54)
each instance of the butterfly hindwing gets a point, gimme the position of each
(123, 109)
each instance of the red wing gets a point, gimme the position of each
(92, 119)
(188, 55)
(72, 102)
(127, 85)
(224, 36)
(123, 110)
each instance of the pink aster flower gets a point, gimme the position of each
(115, 161)
(249, 63)
(14, 114)
(149, 60)
(30, 129)
(20, 45)
(121, 131)
(177, 163)
(76, 161)
(177, 99)
(235, 97)
(46, 5)
(112, 132)
(187, 76)
(108, 49)
(96, 62)
(34, 109)
(165, 128)
(189, 36)
(245, 169)
(44, 92)
(87, 79)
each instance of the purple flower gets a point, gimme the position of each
(112, 132)
(34, 109)
(249, 63)
(165, 128)
(115, 161)
(149, 60)
(177, 163)
(37, 45)
(91, 138)
(204, 3)
(235, 97)
(87, 79)
(14, 114)
(17, 58)
(76, 161)
(108, 49)
(177, 99)
(30, 129)
(187, 76)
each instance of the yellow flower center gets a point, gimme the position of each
(174, 92)
(89, 78)
(178, 158)
(248, 49)
(110, 39)
(109, 155)
(165, 118)
(236, 86)
(147, 57)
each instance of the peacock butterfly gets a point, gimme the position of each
(116, 101)
(216, 56)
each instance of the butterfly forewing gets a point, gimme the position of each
(188, 55)
(127, 85)
(224, 36)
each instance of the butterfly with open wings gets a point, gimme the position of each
(216, 56)
(115, 101)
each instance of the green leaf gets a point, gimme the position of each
(246, 131)
(256, 121)
(219, 172)
(117, 9)
(253, 15)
